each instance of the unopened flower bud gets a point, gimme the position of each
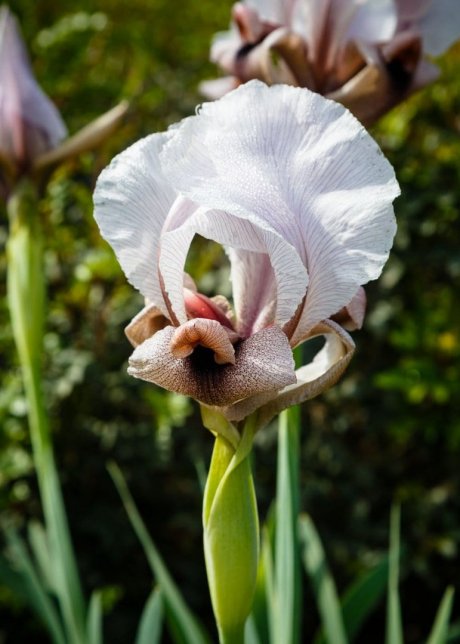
(30, 124)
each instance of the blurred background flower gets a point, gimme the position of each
(367, 55)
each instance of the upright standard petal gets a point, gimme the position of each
(29, 122)
(290, 162)
(132, 200)
(238, 233)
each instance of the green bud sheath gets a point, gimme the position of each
(231, 536)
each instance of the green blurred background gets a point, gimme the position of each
(389, 431)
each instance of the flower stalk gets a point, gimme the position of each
(231, 528)
(26, 300)
(287, 556)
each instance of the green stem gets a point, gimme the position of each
(287, 557)
(26, 299)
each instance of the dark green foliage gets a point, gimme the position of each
(389, 431)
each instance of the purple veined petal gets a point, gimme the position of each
(263, 363)
(132, 200)
(29, 122)
(440, 26)
(311, 379)
(238, 233)
(286, 159)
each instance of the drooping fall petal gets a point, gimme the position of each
(263, 362)
(311, 379)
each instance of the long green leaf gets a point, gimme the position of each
(394, 632)
(13, 580)
(149, 631)
(360, 599)
(182, 622)
(363, 596)
(322, 581)
(32, 587)
(453, 636)
(287, 558)
(269, 577)
(251, 634)
(94, 620)
(26, 300)
(39, 545)
(263, 606)
(440, 631)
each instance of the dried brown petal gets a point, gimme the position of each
(145, 324)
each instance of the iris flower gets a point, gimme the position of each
(32, 132)
(301, 198)
(367, 54)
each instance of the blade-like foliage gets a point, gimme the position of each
(360, 599)
(28, 582)
(94, 624)
(39, 544)
(287, 559)
(322, 581)
(363, 596)
(151, 622)
(394, 632)
(440, 631)
(182, 622)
